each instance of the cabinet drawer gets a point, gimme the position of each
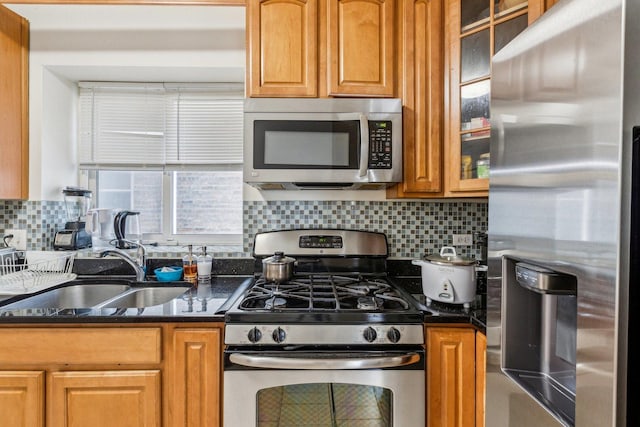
(80, 345)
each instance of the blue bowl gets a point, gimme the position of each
(168, 276)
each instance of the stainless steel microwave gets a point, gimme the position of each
(328, 143)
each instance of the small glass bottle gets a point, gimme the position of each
(205, 262)
(190, 267)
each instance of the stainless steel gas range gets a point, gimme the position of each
(336, 344)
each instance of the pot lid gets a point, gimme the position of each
(448, 256)
(278, 258)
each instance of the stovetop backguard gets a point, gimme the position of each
(323, 242)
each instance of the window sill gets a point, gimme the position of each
(216, 251)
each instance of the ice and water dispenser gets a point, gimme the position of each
(539, 316)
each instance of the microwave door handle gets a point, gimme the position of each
(364, 146)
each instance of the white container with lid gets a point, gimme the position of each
(448, 277)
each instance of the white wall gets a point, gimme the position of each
(70, 43)
(58, 128)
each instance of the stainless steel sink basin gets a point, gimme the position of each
(73, 296)
(97, 295)
(146, 297)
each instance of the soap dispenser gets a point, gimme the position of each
(204, 266)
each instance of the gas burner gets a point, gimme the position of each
(367, 303)
(275, 302)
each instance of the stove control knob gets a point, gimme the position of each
(254, 335)
(279, 335)
(370, 334)
(393, 334)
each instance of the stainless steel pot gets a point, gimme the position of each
(278, 267)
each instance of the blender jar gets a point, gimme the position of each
(77, 202)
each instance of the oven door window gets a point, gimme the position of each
(306, 144)
(324, 404)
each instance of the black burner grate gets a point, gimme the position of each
(324, 293)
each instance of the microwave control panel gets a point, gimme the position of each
(380, 144)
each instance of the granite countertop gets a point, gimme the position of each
(207, 302)
(439, 312)
(201, 303)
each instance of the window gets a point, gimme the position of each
(172, 152)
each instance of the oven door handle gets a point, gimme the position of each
(334, 363)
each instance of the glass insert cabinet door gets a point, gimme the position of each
(478, 29)
(324, 404)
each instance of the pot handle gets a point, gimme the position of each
(446, 251)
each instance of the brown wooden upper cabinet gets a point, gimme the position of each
(321, 48)
(282, 46)
(476, 30)
(446, 54)
(422, 92)
(14, 113)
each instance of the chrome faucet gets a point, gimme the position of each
(138, 263)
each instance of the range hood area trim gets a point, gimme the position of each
(292, 186)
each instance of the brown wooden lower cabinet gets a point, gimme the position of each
(196, 373)
(103, 398)
(453, 375)
(153, 375)
(481, 376)
(22, 398)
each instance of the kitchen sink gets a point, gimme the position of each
(146, 297)
(97, 295)
(73, 296)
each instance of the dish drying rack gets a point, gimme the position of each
(32, 271)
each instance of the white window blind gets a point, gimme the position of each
(160, 124)
(204, 126)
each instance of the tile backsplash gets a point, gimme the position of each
(414, 228)
(41, 219)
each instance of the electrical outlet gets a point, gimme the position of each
(462, 239)
(19, 239)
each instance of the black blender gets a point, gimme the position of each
(74, 236)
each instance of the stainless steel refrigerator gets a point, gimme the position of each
(564, 218)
